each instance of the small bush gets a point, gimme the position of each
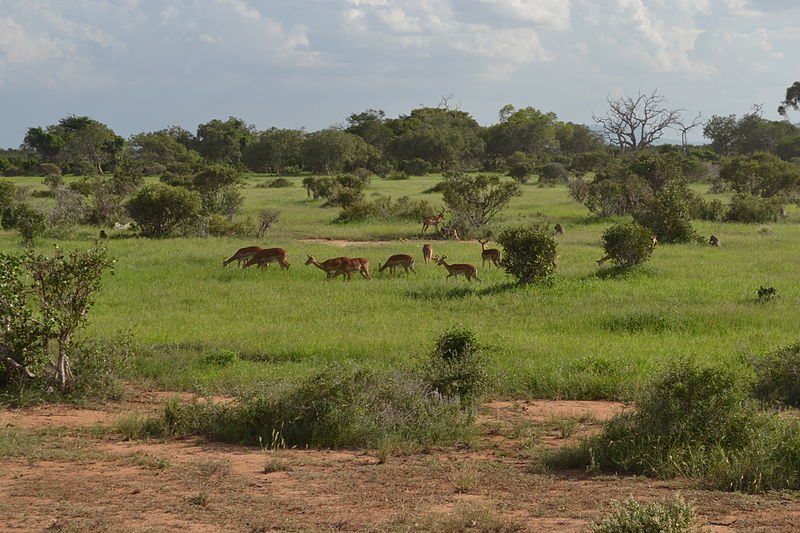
(219, 358)
(553, 173)
(98, 364)
(415, 167)
(713, 210)
(520, 166)
(279, 183)
(220, 226)
(457, 367)
(266, 219)
(753, 209)
(529, 253)
(628, 244)
(778, 376)
(397, 175)
(632, 517)
(29, 221)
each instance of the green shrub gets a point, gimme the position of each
(219, 358)
(553, 173)
(457, 367)
(753, 209)
(520, 166)
(8, 194)
(628, 244)
(219, 226)
(667, 216)
(342, 405)
(714, 210)
(398, 175)
(416, 167)
(279, 183)
(778, 376)
(529, 253)
(632, 517)
(161, 209)
(98, 364)
(26, 219)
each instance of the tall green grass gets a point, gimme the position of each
(591, 334)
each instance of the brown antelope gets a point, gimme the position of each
(427, 253)
(449, 232)
(242, 255)
(433, 221)
(492, 254)
(398, 260)
(330, 266)
(348, 266)
(265, 256)
(469, 271)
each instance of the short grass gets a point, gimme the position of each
(590, 334)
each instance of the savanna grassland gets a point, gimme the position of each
(590, 334)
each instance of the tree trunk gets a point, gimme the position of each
(63, 370)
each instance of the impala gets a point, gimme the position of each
(241, 255)
(469, 271)
(348, 266)
(432, 221)
(265, 256)
(330, 266)
(449, 232)
(398, 260)
(427, 253)
(492, 254)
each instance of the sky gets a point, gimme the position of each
(144, 65)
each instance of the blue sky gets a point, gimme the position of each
(142, 65)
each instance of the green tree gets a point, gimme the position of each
(161, 209)
(667, 215)
(761, 174)
(224, 142)
(529, 253)
(476, 200)
(577, 139)
(275, 149)
(526, 130)
(332, 151)
(81, 143)
(371, 126)
(520, 166)
(792, 100)
(163, 147)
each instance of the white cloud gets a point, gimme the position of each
(241, 8)
(512, 46)
(551, 13)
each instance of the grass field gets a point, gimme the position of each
(588, 335)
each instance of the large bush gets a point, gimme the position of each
(778, 376)
(340, 405)
(553, 173)
(477, 200)
(529, 253)
(161, 209)
(667, 216)
(753, 209)
(628, 244)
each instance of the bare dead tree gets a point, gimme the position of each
(635, 123)
(685, 128)
(445, 104)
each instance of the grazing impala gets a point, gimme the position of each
(469, 271)
(427, 253)
(241, 255)
(348, 266)
(330, 266)
(432, 221)
(265, 256)
(398, 260)
(492, 254)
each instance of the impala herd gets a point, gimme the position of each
(346, 266)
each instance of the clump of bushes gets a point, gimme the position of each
(695, 421)
(415, 167)
(26, 219)
(778, 376)
(384, 207)
(667, 216)
(553, 173)
(278, 183)
(160, 209)
(529, 253)
(631, 516)
(342, 405)
(628, 245)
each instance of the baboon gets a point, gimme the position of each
(713, 241)
(103, 234)
(559, 229)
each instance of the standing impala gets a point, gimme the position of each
(469, 271)
(398, 260)
(241, 255)
(265, 256)
(492, 254)
(432, 221)
(427, 253)
(348, 266)
(330, 266)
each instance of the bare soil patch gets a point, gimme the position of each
(341, 243)
(105, 483)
